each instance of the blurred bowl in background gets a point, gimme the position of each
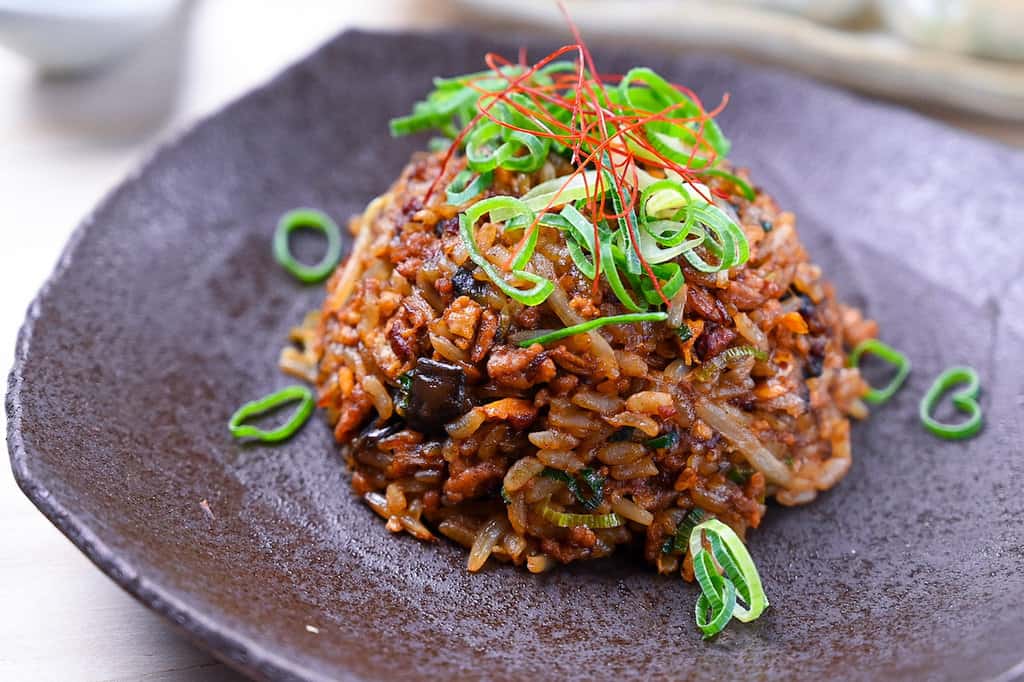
(987, 28)
(826, 11)
(68, 36)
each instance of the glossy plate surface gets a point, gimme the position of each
(168, 311)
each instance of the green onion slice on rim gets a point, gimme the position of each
(965, 399)
(256, 407)
(877, 396)
(307, 218)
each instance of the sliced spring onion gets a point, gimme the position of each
(256, 407)
(684, 332)
(680, 540)
(404, 387)
(541, 288)
(744, 188)
(877, 396)
(438, 144)
(462, 189)
(555, 192)
(732, 555)
(566, 520)
(660, 95)
(739, 474)
(666, 440)
(311, 219)
(717, 602)
(593, 324)
(712, 367)
(965, 400)
(591, 478)
(669, 200)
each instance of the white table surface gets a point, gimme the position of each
(63, 144)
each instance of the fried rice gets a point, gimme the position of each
(451, 427)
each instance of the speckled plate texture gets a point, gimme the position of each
(167, 311)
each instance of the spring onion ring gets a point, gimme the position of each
(541, 288)
(307, 218)
(877, 396)
(594, 481)
(679, 541)
(461, 189)
(592, 324)
(732, 555)
(965, 400)
(741, 185)
(565, 520)
(717, 602)
(712, 367)
(256, 407)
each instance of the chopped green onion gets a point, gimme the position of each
(660, 95)
(663, 441)
(564, 520)
(267, 403)
(684, 332)
(717, 602)
(745, 190)
(438, 144)
(731, 554)
(541, 288)
(553, 193)
(965, 400)
(404, 386)
(739, 474)
(307, 218)
(712, 367)
(462, 190)
(594, 481)
(877, 396)
(591, 325)
(680, 540)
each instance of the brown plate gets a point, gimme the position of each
(167, 311)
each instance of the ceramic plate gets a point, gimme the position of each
(167, 311)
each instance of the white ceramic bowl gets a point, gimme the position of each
(77, 35)
(827, 11)
(988, 28)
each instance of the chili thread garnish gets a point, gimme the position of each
(616, 130)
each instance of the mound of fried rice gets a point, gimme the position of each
(450, 427)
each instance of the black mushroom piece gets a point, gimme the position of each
(436, 395)
(465, 284)
(376, 431)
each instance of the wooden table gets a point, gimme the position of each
(62, 145)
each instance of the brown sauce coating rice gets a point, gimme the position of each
(485, 417)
